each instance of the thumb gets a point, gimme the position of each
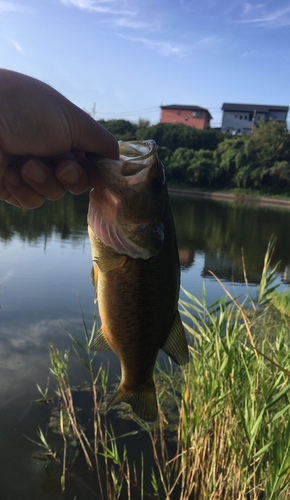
(89, 135)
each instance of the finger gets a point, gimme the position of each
(14, 202)
(4, 193)
(72, 176)
(20, 194)
(42, 179)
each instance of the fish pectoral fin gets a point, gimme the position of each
(100, 343)
(94, 278)
(142, 400)
(175, 345)
(106, 264)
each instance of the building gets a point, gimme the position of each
(193, 116)
(238, 118)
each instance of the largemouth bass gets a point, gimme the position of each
(136, 271)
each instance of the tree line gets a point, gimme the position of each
(211, 159)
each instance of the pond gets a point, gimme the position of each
(46, 261)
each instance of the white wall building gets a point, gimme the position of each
(238, 118)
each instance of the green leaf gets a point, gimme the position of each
(75, 340)
(82, 360)
(265, 448)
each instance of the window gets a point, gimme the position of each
(241, 117)
(245, 117)
(250, 117)
(178, 112)
(258, 118)
(186, 118)
(197, 114)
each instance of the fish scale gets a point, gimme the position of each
(136, 283)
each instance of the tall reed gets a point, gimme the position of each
(223, 431)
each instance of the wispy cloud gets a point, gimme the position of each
(251, 53)
(249, 7)
(117, 13)
(259, 15)
(10, 7)
(209, 41)
(162, 47)
(124, 22)
(101, 6)
(16, 45)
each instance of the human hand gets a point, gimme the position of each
(43, 138)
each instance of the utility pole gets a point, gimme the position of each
(94, 111)
(253, 121)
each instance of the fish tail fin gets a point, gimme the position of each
(142, 400)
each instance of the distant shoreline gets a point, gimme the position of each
(263, 201)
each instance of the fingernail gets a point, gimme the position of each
(34, 171)
(12, 176)
(69, 174)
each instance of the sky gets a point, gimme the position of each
(126, 58)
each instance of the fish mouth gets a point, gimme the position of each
(120, 178)
(130, 171)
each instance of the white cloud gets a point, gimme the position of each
(17, 45)
(162, 47)
(249, 7)
(251, 53)
(257, 15)
(101, 6)
(209, 41)
(10, 7)
(123, 22)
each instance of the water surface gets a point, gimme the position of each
(45, 260)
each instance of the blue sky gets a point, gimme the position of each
(130, 56)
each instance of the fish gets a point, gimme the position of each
(136, 270)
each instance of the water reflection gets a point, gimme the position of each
(221, 230)
(46, 258)
(66, 217)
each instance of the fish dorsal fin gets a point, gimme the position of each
(100, 343)
(142, 400)
(175, 345)
(108, 264)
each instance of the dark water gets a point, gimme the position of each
(45, 260)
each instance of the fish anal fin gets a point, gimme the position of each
(175, 345)
(142, 400)
(108, 264)
(100, 343)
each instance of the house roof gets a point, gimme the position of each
(260, 108)
(187, 107)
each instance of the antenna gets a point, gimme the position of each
(94, 111)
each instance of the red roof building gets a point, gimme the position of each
(193, 116)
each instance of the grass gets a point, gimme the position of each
(282, 303)
(273, 193)
(223, 431)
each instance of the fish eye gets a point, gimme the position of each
(157, 184)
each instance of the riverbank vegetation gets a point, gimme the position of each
(223, 430)
(212, 160)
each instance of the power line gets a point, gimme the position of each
(147, 110)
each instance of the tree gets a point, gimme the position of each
(174, 136)
(202, 168)
(122, 129)
(259, 160)
(142, 124)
